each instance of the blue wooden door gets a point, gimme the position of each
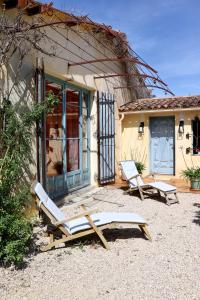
(162, 145)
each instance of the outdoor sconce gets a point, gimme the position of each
(188, 150)
(181, 126)
(188, 135)
(141, 127)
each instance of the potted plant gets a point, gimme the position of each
(140, 167)
(193, 174)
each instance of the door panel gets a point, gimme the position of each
(162, 145)
(54, 133)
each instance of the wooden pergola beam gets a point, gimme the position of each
(131, 75)
(121, 59)
(142, 86)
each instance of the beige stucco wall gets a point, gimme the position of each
(136, 146)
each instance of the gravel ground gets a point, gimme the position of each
(134, 268)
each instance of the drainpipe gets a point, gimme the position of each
(41, 168)
(120, 136)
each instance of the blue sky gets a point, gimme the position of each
(165, 33)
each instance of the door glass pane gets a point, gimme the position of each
(72, 155)
(54, 157)
(72, 120)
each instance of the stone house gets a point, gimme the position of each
(93, 71)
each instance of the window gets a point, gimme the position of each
(196, 135)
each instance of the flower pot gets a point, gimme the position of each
(195, 184)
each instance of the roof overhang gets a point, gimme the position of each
(159, 111)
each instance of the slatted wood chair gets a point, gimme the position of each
(130, 173)
(88, 222)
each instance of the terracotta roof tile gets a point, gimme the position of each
(161, 103)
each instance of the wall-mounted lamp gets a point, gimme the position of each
(188, 150)
(141, 127)
(181, 126)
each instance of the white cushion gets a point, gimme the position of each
(49, 204)
(104, 218)
(129, 170)
(162, 186)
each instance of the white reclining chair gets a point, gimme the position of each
(83, 224)
(130, 173)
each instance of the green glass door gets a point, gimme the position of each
(67, 139)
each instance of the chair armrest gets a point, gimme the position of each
(85, 213)
(135, 176)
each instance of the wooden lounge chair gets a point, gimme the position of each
(130, 173)
(86, 223)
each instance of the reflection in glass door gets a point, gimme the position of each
(67, 139)
(72, 125)
(54, 140)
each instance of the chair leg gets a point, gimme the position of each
(176, 200)
(97, 230)
(141, 194)
(128, 191)
(159, 194)
(167, 199)
(175, 194)
(145, 231)
(50, 245)
(51, 238)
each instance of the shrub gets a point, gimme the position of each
(15, 156)
(15, 231)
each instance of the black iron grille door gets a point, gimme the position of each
(106, 138)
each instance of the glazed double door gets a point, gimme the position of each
(67, 139)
